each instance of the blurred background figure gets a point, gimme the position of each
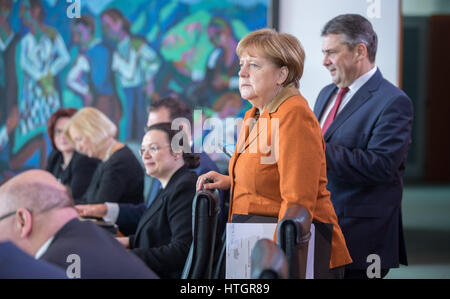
(71, 168)
(43, 55)
(90, 76)
(9, 115)
(120, 178)
(220, 78)
(135, 64)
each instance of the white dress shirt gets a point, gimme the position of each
(353, 89)
(43, 248)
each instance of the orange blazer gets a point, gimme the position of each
(280, 161)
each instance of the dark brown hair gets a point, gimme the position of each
(62, 112)
(177, 108)
(191, 160)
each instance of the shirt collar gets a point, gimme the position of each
(362, 80)
(43, 248)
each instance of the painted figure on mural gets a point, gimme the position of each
(43, 55)
(222, 67)
(90, 76)
(135, 64)
(9, 114)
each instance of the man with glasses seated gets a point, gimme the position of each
(37, 214)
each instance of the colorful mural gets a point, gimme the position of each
(115, 55)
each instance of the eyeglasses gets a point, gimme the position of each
(151, 149)
(12, 213)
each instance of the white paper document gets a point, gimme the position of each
(242, 237)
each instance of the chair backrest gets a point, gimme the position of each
(220, 259)
(205, 216)
(268, 261)
(293, 234)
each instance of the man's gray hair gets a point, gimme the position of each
(354, 29)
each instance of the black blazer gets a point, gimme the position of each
(78, 173)
(129, 214)
(118, 179)
(101, 256)
(164, 233)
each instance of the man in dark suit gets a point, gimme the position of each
(366, 123)
(16, 264)
(40, 219)
(127, 216)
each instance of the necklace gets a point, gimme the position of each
(108, 151)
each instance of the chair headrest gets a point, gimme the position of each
(212, 196)
(268, 256)
(299, 217)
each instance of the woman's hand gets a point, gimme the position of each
(213, 180)
(92, 210)
(125, 241)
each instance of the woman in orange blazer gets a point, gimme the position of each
(279, 159)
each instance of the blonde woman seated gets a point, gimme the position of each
(120, 178)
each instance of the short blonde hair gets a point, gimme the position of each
(282, 49)
(91, 123)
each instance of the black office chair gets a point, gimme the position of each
(293, 234)
(205, 216)
(268, 261)
(220, 259)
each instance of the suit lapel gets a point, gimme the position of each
(362, 95)
(152, 209)
(322, 102)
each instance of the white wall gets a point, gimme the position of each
(306, 18)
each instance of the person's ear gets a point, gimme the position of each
(361, 51)
(178, 156)
(284, 72)
(24, 222)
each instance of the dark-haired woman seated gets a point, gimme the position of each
(69, 167)
(164, 233)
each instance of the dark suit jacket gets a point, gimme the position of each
(366, 151)
(118, 179)
(101, 256)
(78, 173)
(129, 214)
(16, 264)
(164, 233)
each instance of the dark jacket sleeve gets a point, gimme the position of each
(171, 257)
(129, 215)
(385, 152)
